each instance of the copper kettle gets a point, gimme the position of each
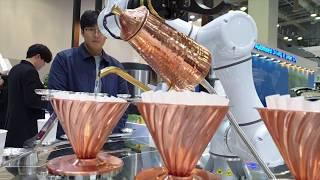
(179, 60)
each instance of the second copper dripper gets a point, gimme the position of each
(179, 60)
(181, 134)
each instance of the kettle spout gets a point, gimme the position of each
(115, 70)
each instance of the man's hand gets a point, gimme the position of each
(1, 82)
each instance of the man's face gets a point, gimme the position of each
(42, 63)
(93, 38)
(39, 62)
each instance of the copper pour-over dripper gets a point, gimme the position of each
(87, 125)
(181, 134)
(178, 59)
(296, 134)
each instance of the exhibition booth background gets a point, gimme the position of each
(50, 22)
(276, 71)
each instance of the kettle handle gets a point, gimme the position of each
(105, 25)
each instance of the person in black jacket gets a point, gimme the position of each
(24, 105)
(3, 99)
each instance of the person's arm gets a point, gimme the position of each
(58, 73)
(1, 82)
(58, 80)
(31, 81)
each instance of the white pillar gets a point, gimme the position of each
(265, 13)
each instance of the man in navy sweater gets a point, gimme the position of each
(76, 69)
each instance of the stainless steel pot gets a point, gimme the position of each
(21, 161)
(141, 72)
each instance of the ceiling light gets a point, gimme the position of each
(313, 15)
(299, 38)
(192, 17)
(243, 8)
(278, 25)
(289, 39)
(317, 18)
(286, 37)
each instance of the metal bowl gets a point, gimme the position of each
(20, 161)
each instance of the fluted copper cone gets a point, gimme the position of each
(88, 123)
(179, 60)
(181, 132)
(297, 135)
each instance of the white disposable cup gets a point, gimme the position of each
(3, 135)
(51, 137)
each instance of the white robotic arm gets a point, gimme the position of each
(230, 38)
(112, 21)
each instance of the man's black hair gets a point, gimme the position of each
(89, 19)
(40, 49)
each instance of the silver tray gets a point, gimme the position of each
(10, 152)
